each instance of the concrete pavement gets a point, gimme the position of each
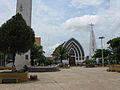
(76, 78)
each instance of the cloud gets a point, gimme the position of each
(85, 3)
(107, 23)
(45, 23)
(7, 10)
(45, 13)
(50, 49)
(80, 23)
(104, 20)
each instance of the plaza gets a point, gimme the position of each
(45, 45)
(75, 78)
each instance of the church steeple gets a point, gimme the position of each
(25, 8)
(93, 46)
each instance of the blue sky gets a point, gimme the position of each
(56, 21)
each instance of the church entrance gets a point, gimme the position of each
(72, 61)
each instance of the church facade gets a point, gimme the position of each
(75, 51)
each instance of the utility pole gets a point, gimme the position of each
(102, 49)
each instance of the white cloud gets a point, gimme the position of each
(45, 13)
(45, 22)
(80, 23)
(7, 10)
(85, 3)
(50, 49)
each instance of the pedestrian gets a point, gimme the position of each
(14, 68)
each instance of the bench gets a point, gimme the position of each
(9, 80)
(5, 68)
(114, 68)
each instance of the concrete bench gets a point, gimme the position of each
(5, 68)
(114, 68)
(9, 80)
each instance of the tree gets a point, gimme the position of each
(89, 61)
(37, 53)
(61, 53)
(16, 37)
(106, 54)
(98, 53)
(114, 45)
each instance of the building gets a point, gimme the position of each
(50, 58)
(75, 51)
(37, 41)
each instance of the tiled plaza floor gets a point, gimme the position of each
(76, 78)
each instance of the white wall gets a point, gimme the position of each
(21, 60)
(26, 10)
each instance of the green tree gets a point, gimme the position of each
(114, 45)
(16, 37)
(60, 53)
(89, 61)
(98, 53)
(37, 53)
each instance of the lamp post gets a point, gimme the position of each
(102, 49)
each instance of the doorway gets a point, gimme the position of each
(72, 61)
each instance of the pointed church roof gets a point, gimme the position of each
(76, 43)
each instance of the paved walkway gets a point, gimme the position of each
(76, 78)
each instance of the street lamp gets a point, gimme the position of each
(102, 49)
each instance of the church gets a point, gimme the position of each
(75, 51)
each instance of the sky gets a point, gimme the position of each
(56, 21)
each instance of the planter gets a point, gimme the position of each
(22, 76)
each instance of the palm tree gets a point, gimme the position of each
(60, 53)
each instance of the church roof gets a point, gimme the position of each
(74, 42)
